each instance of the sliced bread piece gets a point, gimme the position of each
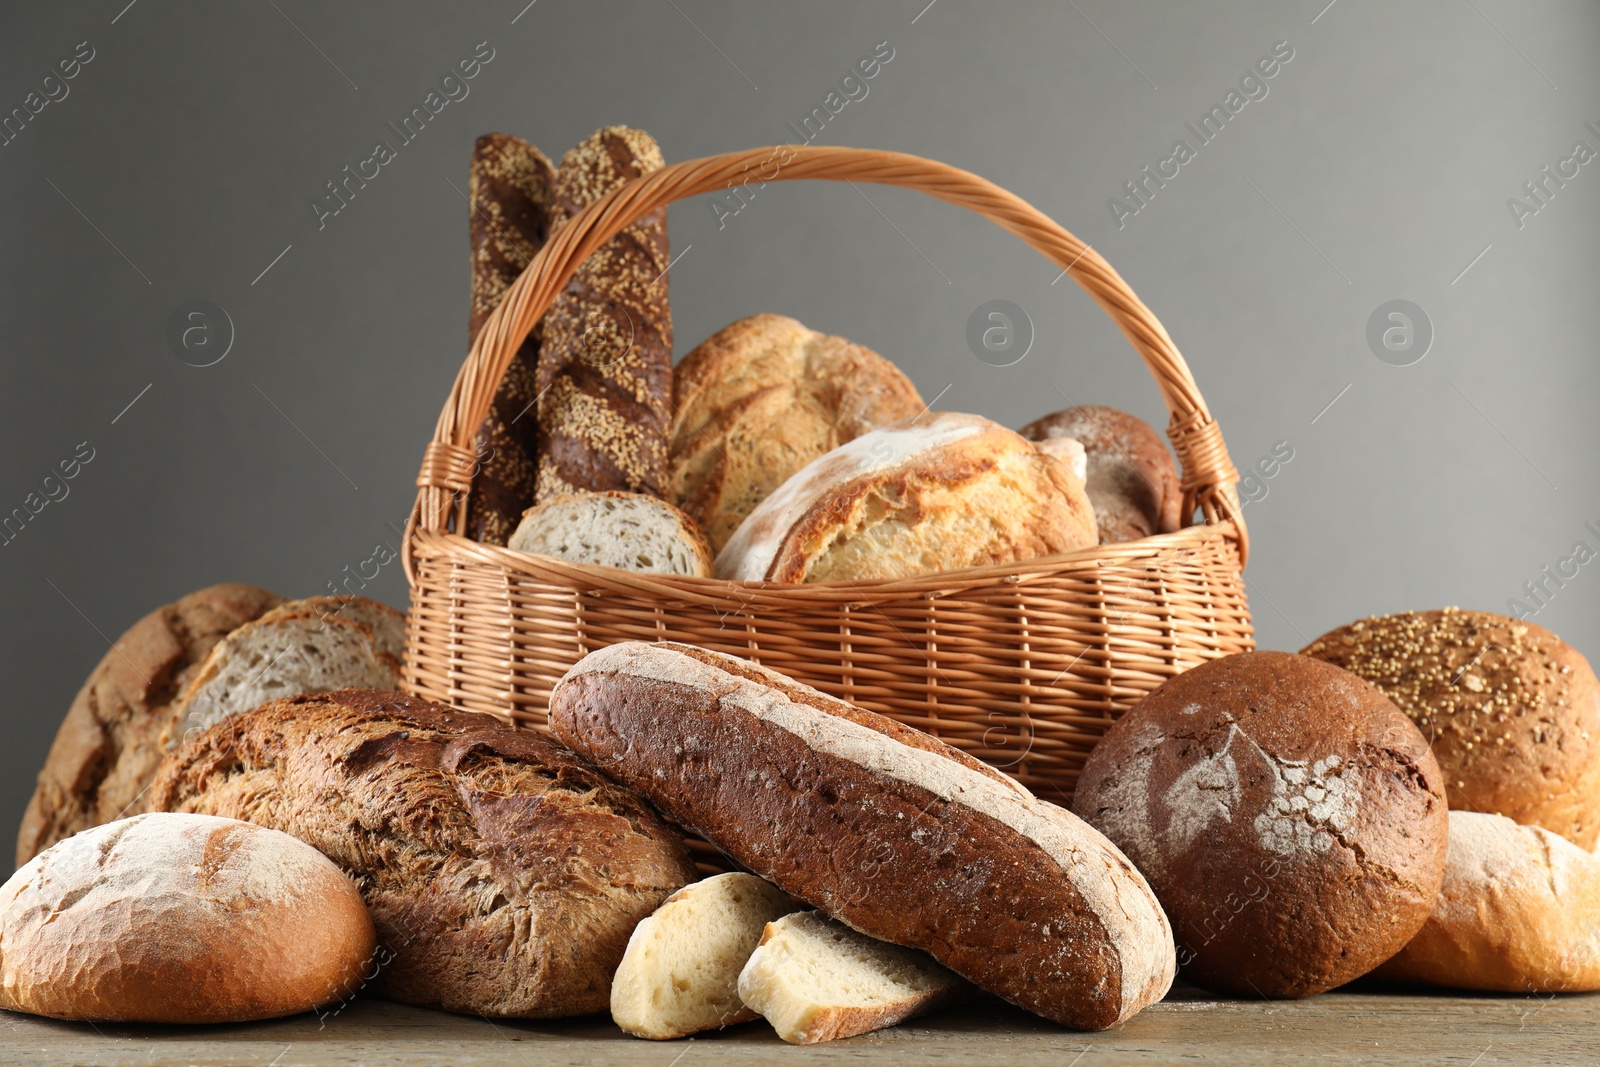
(388, 625)
(815, 979)
(631, 531)
(283, 655)
(680, 974)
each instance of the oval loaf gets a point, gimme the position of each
(883, 827)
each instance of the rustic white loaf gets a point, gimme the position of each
(180, 919)
(815, 979)
(881, 826)
(937, 492)
(680, 974)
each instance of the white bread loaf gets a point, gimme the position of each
(180, 919)
(1519, 912)
(630, 531)
(815, 979)
(880, 825)
(680, 974)
(936, 492)
(283, 654)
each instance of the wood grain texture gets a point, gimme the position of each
(1344, 1027)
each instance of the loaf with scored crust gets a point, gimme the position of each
(881, 826)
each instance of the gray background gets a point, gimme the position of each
(1377, 168)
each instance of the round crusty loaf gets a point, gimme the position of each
(180, 919)
(1512, 711)
(933, 493)
(630, 531)
(109, 744)
(1291, 820)
(1132, 479)
(761, 398)
(881, 826)
(1519, 912)
(502, 873)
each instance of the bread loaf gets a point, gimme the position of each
(680, 974)
(180, 919)
(881, 826)
(605, 368)
(510, 193)
(1519, 912)
(934, 493)
(631, 531)
(388, 626)
(758, 400)
(1289, 817)
(1512, 711)
(504, 876)
(109, 744)
(1132, 479)
(284, 653)
(816, 980)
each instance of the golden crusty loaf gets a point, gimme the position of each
(510, 194)
(933, 493)
(109, 744)
(1519, 912)
(1512, 711)
(761, 398)
(180, 919)
(605, 366)
(1132, 479)
(502, 873)
(883, 827)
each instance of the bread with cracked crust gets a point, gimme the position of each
(883, 827)
(503, 874)
(933, 493)
(761, 398)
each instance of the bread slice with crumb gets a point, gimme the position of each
(815, 979)
(388, 625)
(282, 654)
(630, 531)
(680, 974)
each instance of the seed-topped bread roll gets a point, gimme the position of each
(1132, 479)
(933, 493)
(605, 367)
(510, 193)
(761, 398)
(503, 874)
(1519, 912)
(883, 827)
(109, 744)
(180, 919)
(1512, 711)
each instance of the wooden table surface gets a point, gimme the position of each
(1364, 1027)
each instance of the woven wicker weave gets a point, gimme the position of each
(1023, 665)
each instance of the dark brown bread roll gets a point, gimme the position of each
(885, 828)
(1132, 478)
(1512, 711)
(109, 744)
(1290, 818)
(510, 193)
(605, 369)
(504, 876)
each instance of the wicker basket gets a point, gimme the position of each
(1022, 665)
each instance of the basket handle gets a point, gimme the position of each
(1208, 476)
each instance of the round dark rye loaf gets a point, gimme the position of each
(504, 876)
(882, 826)
(510, 192)
(109, 744)
(605, 367)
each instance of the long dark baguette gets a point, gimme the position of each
(511, 192)
(605, 368)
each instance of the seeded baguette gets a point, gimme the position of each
(604, 377)
(881, 826)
